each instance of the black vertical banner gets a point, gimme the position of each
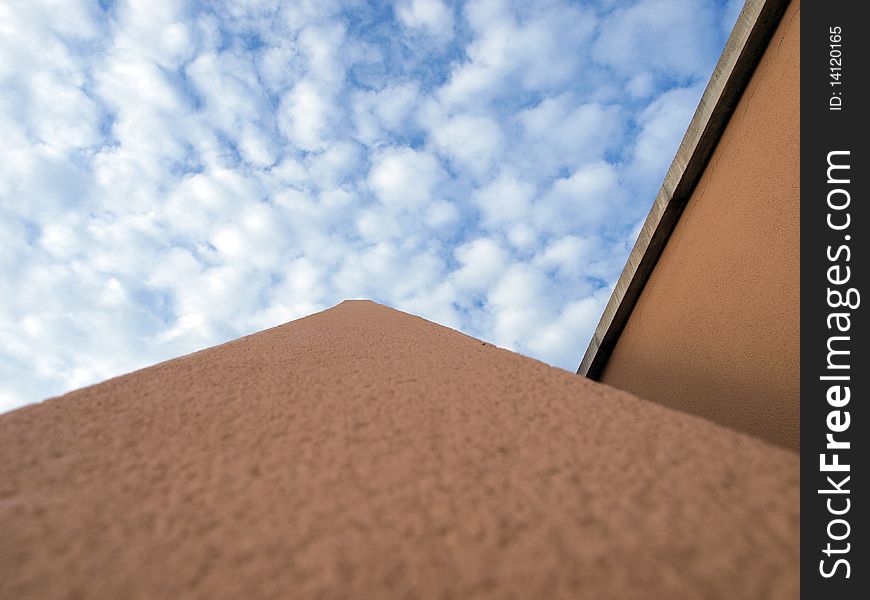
(835, 299)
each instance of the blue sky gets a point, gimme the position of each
(177, 174)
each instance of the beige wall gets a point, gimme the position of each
(716, 330)
(366, 453)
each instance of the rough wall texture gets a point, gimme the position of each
(716, 330)
(365, 453)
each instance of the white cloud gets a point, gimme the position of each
(431, 15)
(405, 177)
(339, 161)
(517, 306)
(394, 103)
(304, 116)
(676, 38)
(62, 115)
(570, 254)
(589, 199)
(557, 339)
(641, 85)
(553, 130)
(662, 125)
(482, 263)
(228, 92)
(174, 175)
(503, 200)
(154, 31)
(536, 47)
(441, 216)
(471, 141)
(320, 47)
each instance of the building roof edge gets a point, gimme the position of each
(741, 55)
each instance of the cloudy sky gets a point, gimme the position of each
(176, 174)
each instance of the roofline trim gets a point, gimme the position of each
(753, 30)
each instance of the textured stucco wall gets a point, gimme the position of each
(716, 330)
(366, 453)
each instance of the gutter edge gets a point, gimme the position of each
(753, 30)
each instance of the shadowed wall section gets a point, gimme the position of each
(716, 329)
(366, 453)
